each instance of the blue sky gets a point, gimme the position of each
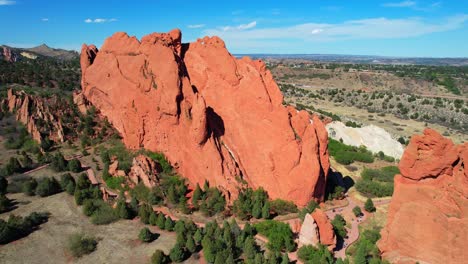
(366, 27)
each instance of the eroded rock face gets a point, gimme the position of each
(215, 117)
(36, 115)
(427, 219)
(145, 170)
(326, 233)
(8, 54)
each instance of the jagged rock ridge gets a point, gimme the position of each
(427, 219)
(215, 117)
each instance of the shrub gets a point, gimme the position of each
(104, 214)
(177, 253)
(80, 244)
(65, 179)
(159, 257)
(5, 203)
(339, 226)
(282, 207)
(115, 182)
(47, 187)
(59, 163)
(3, 185)
(29, 187)
(74, 165)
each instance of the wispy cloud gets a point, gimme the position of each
(196, 26)
(414, 5)
(100, 20)
(45, 19)
(7, 2)
(240, 27)
(400, 4)
(372, 28)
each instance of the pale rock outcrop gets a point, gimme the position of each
(374, 138)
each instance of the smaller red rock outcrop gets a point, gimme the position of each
(9, 55)
(145, 170)
(35, 114)
(427, 219)
(326, 232)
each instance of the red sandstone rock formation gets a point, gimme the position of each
(427, 219)
(144, 170)
(326, 233)
(29, 110)
(215, 117)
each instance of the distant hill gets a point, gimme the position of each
(362, 59)
(13, 54)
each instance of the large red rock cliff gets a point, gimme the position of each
(427, 219)
(215, 117)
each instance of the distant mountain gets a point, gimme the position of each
(13, 54)
(47, 51)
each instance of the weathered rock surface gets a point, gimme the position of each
(427, 219)
(309, 232)
(35, 113)
(326, 233)
(145, 170)
(373, 137)
(215, 117)
(8, 54)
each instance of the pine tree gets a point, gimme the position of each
(145, 235)
(208, 249)
(369, 205)
(161, 221)
(123, 210)
(230, 259)
(249, 248)
(198, 236)
(196, 196)
(266, 210)
(190, 244)
(169, 224)
(158, 257)
(285, 259)
(144, 213)
(153, 220)
(257, 210)
(177, 253)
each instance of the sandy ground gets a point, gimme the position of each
(118, 241)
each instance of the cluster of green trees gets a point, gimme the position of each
(346, 155)
(42, 72)
(209, 200)
(309, 208)
(312, 255)
(17, 227)
(365, 250)
(279, 234)
(59, 164)
(18, 137)
(45, 187)
(252, 203)
(377, 182)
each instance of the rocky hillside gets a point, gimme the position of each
(428, 215)
(12, 54)
(215, 117)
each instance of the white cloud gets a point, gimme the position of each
(239, 27)
(44, 19)
(7, 2)
(400, 4)
(372, 28)
(100, 20)
(196, 26)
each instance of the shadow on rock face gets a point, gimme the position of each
(215, 123)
